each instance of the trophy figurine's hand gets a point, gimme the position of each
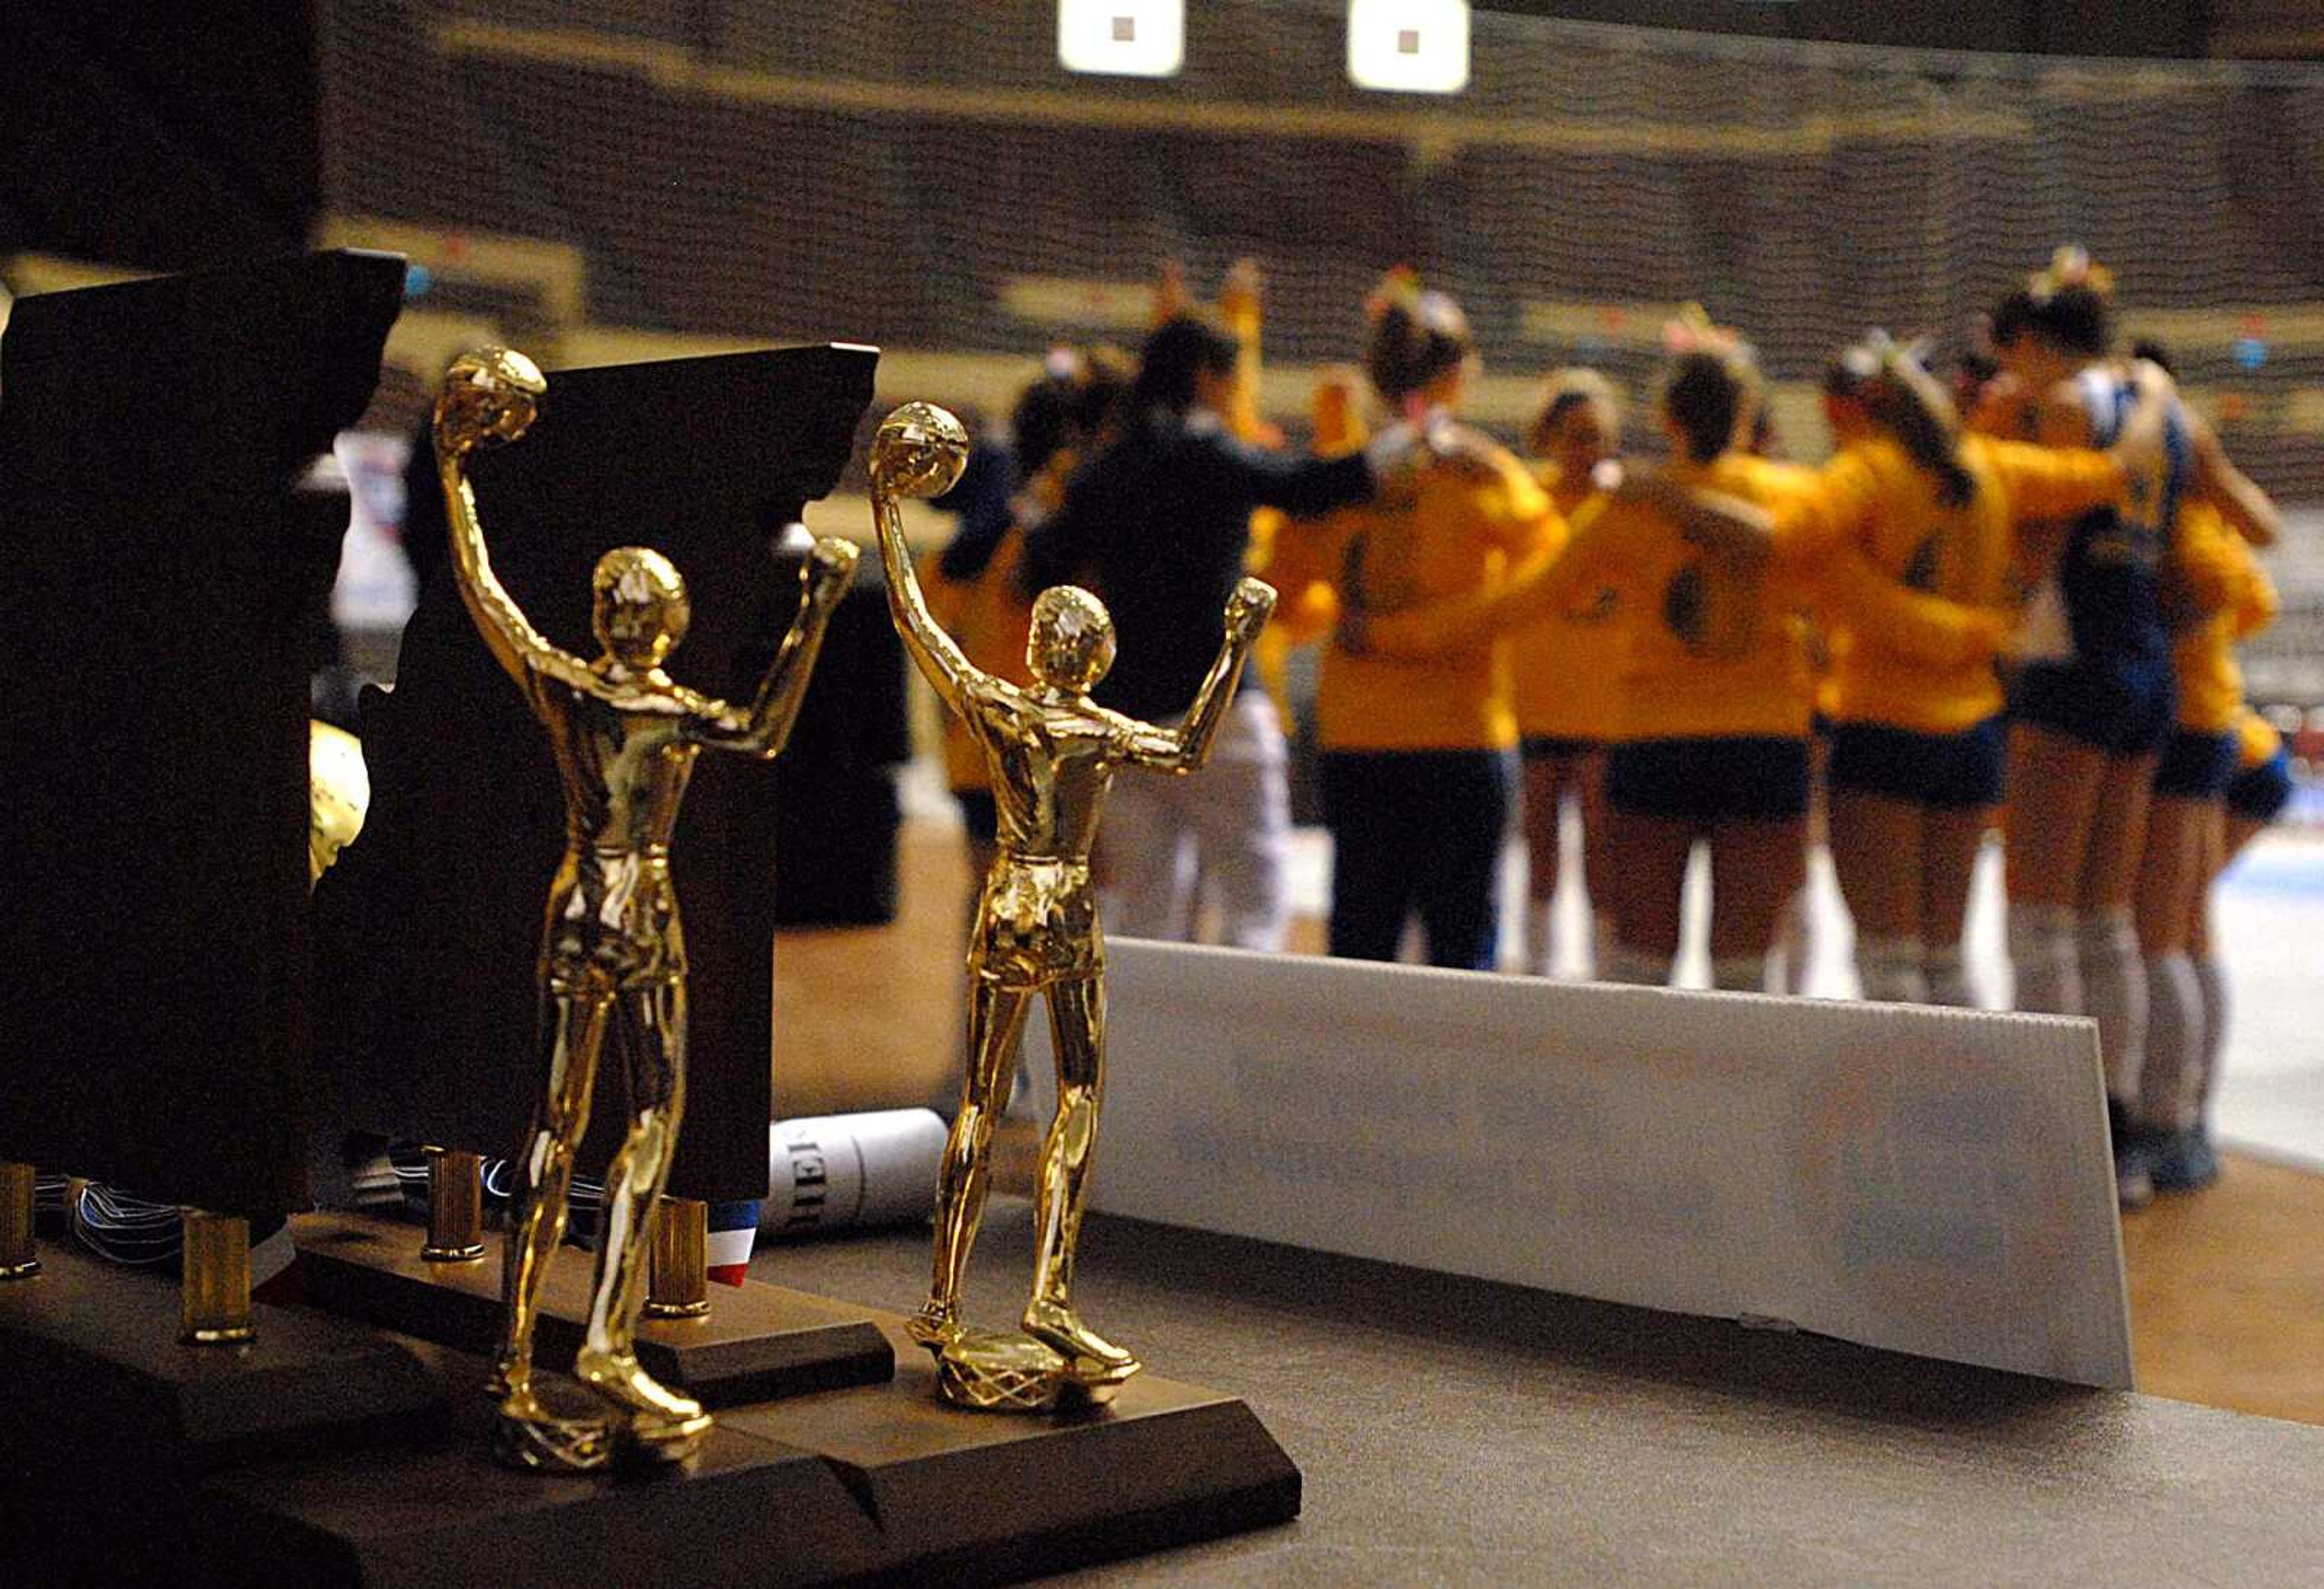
(1248, 611)
(830, 570)
(490, 396)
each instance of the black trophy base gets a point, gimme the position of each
(869, 1484)
(93, 1360)
(111, 1421)
(757, 1343)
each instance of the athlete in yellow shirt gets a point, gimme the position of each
(1566, 671)
(2091, 699)
(1711, 737)
(1918, 740)
(2215, 593)
(1415, 764)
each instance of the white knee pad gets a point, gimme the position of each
(1739, 973)
(2211, 977)
(2042, 954)
(2113, 994)
(1795, 943)
(1637, 968)
(2171, 1087)
(1541, 946)
(1601, 939)
(1946, 971)
(1889, 966)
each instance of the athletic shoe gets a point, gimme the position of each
(2134, 1178)
(2183, 1161)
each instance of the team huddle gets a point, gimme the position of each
(2007, 602)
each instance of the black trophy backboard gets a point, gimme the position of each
(154, 817)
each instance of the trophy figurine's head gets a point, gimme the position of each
(920, 452)
(491, 395)
(1071, 644)
(638, 606)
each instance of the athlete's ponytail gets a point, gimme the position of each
(1898, 395)
(1416, 337)
(1711, 387)
(2069, 306)
(1706, 395)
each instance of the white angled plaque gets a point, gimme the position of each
(1931, 1181)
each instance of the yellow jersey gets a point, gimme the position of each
(2224, 594)
(1716, 647)
(989, 616)
(2257, 740)
(1458, 535)
(1873, 531)
(1566, 676)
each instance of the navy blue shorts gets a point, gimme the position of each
(2259, 794)
(1538, 747)
(1753, 779)
(1958, 772)
(2196, 766)
(2123, 708)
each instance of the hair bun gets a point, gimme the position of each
(2071, 266)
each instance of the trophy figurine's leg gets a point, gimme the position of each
(653, 1419)
(1078, 1030)
(527, 1434)
(996, 1020)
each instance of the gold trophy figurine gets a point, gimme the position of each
(338, 795)
(612, 957)
(1053, 752)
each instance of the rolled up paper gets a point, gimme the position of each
(830, 1171)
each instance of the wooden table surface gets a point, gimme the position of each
(1459, 1432)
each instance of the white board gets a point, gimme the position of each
(1931, 1181)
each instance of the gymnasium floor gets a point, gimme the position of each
(2227, 1287)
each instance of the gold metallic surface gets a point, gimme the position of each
(623, 736)
(214, 1295)
(338, 795)
(681, 1259)
(455, 1207)
(1052, 753)
(20, 1257)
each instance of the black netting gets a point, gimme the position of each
(897, 173)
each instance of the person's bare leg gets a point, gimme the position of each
(1878, 850)
(1647, 857)
(649, 1029)
(1951, 842)
(1792, 958)
(1756, 868)
(1590, 803)
(2053, 789)
(996, 1018)
(1077, 1032)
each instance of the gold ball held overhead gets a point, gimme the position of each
(920, 452)
(491, 395)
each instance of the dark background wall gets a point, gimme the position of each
(2034, 27)
(165, 136)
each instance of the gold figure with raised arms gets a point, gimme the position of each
(1053, 752)
(612, 962)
